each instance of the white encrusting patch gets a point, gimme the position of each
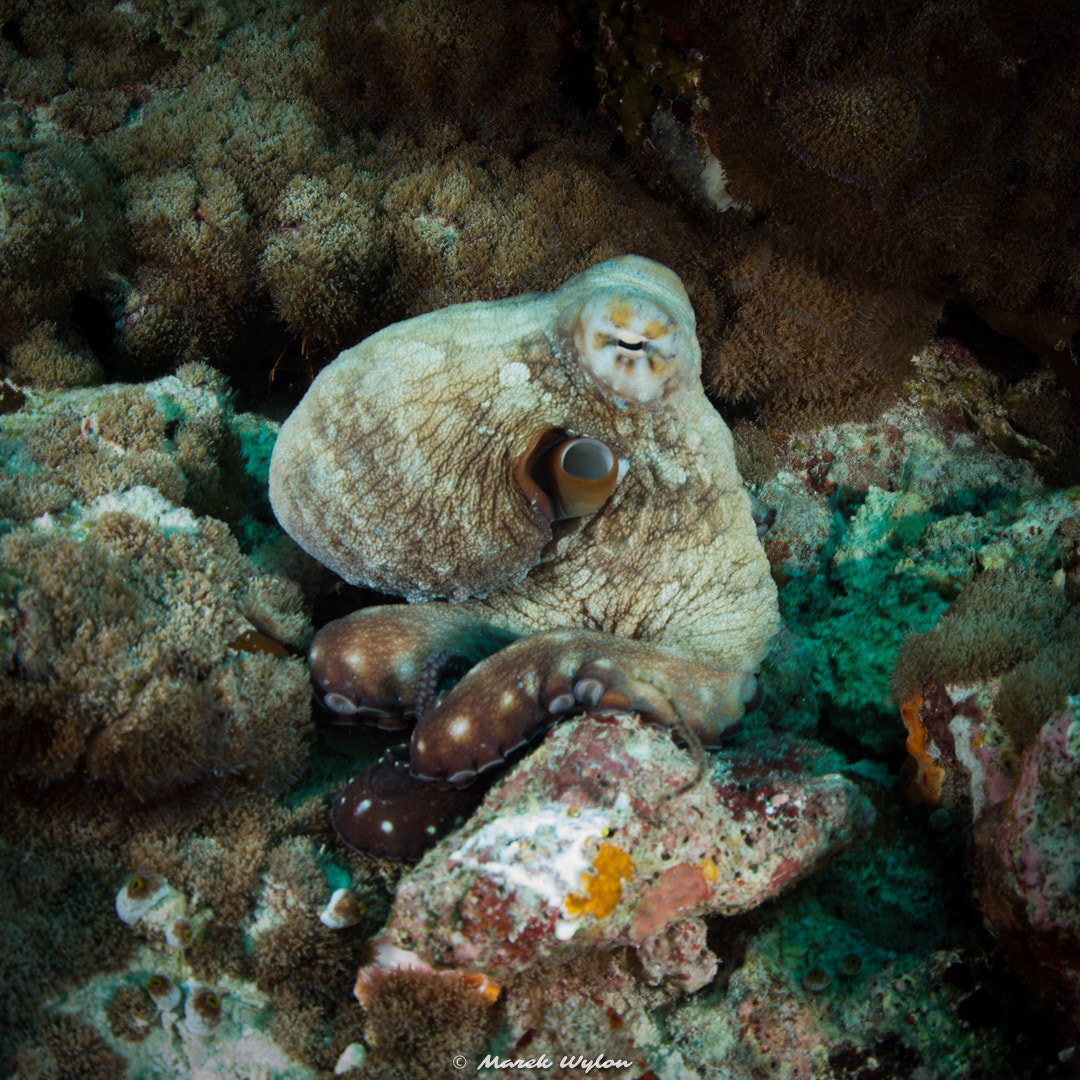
(966, 736)
(387, 826)
(544, 853)
(362, 807)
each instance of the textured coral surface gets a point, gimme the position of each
(203, 201)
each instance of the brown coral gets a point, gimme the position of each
(905, 141)
(67, 1049)
(323, 255)
(1002, 618)
(51, 355)
(131, 1013)
(173, 436)
(485, 64)
(413, 1016)
(193, 288)
(802, 343)
(62, 227)
(60, 926)
(471, 223)
(119, 659)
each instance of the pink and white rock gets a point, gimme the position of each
(601, 838)
(1028, 867)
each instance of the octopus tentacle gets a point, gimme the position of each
(510, 698)
(386, 811)
(369, 666)
(441, 666)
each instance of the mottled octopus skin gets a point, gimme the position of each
(402, 469)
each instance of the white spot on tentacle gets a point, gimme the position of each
(459, 728)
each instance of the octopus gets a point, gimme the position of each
(543, 479)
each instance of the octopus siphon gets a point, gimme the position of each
(546, 483)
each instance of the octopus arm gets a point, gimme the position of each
(371, 666)
(514, 695)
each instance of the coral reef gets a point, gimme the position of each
(141, 647)
(422, 61)
(51, 356)
(59, 928)
(855, 146)
(411, 1016)
(186, 183)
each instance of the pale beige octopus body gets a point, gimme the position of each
(423, 462)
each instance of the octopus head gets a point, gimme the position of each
(633, 331)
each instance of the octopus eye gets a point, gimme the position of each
(626, 344)
(583, 475)
(567, 477)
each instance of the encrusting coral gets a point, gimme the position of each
(173, 436)
(601, 838)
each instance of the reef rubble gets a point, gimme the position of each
(605, 836)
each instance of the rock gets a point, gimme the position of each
(602, 838)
